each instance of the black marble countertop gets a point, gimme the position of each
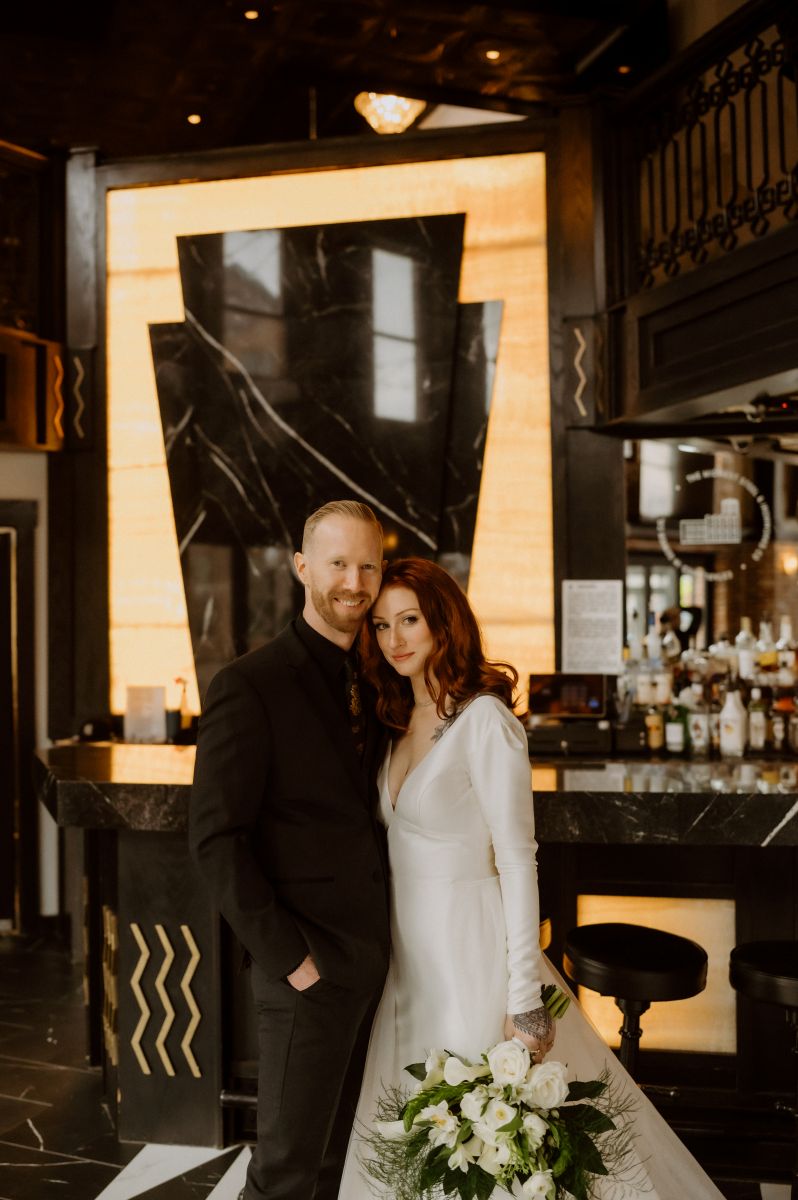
(116, 786)
(631, 801)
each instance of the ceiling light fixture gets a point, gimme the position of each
(624, 69)
(493, 55)
(251, 14)
(194, 119)
(387, 113)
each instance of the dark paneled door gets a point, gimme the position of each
(18, 815)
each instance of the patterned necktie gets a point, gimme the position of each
(354, 706)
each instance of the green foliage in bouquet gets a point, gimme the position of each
(473, 1126)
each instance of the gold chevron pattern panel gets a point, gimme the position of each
(144, 1008)
(169, 1013)
(191, 1004)
(110, 996)
(168, 1010)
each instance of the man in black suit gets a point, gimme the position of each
(283, 826)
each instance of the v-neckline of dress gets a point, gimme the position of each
(393, 803)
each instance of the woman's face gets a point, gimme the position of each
(402, 632)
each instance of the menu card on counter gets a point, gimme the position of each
(145, 714)
(592, 626)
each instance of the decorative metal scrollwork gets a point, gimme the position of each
(717, 160)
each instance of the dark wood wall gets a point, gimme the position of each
(587, 466)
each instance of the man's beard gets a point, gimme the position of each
(336, 616)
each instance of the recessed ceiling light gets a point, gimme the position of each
(194, 119)
(493, 55)
(624, 69)
(252, 14)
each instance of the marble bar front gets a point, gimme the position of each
(169, 1008)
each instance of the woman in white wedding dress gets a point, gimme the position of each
(455, 796)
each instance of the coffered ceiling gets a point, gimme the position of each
(126, 75)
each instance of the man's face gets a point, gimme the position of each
(341, 570)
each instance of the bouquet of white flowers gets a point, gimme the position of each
(500, 1122)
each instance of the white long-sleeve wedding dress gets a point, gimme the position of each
(465, 919)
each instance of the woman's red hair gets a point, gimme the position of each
(457, 662)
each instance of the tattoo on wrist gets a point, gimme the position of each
(537, 1023)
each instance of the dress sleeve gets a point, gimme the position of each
(498, 761)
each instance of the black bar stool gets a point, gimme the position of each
(636, 966)
(768, 971)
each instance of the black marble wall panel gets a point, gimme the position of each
(317, 363)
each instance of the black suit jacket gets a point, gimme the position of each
(283, 820)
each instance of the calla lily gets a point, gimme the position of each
(455, 1071)
(391, 1130)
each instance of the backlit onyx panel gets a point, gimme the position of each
(316, 363)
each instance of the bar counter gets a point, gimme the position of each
(625, 802)
(171, 1015)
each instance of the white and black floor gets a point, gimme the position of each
(57, 1140)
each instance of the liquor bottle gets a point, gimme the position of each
(653, 642)
(714, 719)
(786, 649)
(745, 646)
(767, 656)
(698, 723)
(662, 684)
(785, 641)
(675, 729)
(757, 721)
(733, 725)
(792, 731)
(654, 730)
(782, 710)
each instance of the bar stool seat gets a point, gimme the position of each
(766, 971)
(636, 966)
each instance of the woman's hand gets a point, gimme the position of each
(534, 1028)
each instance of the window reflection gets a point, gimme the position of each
(253, 308)
(395, 339)
(657, 479)
(491, 326)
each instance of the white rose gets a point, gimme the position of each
(498, 1113)
(392, 1130)
(509, 1062)
(535, 1129)
(539, 1186)
(473, 1103)
(545, 1086)
(464, 1154)
(455, 1071)
(493, 1158)
(434, 1068)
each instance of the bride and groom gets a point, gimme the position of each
(365, 825)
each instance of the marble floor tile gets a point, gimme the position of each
(27, 1174)
(171, 1173)
(229, 1187)
(15, 1112)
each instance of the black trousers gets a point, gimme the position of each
(312, 1052)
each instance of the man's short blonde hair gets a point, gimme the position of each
(339, 508)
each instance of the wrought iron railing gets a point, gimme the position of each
(713, 159)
